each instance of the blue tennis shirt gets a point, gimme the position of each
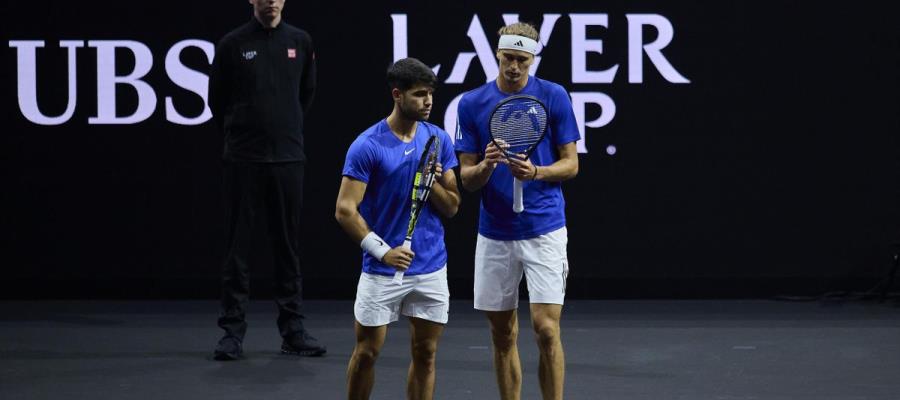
(544, 203)
(388, 166)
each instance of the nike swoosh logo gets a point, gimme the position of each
(406, 153)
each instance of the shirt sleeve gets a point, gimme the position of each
(565, 129)
(448, 155)
(308, 81)
(466, 134)
(220, 77)
(360, 161)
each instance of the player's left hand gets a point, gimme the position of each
(438, 171)
(438, 175)
(522, 168)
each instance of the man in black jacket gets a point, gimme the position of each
(261, 85)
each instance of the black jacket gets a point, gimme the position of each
(261, 84)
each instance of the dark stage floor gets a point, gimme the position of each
(649, 350)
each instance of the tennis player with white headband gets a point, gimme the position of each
(531, 243)
(518, 42)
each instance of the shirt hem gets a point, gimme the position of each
(523, 236)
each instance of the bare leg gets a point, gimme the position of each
(552, 367)
(420, 379)
(361, 370)
(504, 334)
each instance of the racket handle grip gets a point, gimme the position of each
(398, 275)
(518, 206)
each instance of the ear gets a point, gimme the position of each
(395, 93)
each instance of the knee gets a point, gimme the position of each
(547, 336)
(365, 357)
(424, 352)
(504, 338)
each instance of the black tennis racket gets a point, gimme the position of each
(421, 188)
(518, 124)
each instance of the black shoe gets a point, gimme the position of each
(302, 344)
(229, 348)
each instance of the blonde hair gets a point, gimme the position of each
(521, 29)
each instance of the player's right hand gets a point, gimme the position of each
(399, 257)
(493, 155)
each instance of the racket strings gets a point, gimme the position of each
(520, 124)
(423, 182)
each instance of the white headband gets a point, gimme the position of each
(516, 42)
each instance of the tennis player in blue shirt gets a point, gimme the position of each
(373, 207)
(532, 242)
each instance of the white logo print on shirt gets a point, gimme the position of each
(406, 153)
(249, 55)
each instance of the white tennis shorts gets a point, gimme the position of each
(499, 265)
(379, 301)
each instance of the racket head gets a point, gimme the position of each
(421, 182)
(422, 168)
(519, 122)
(433, 156)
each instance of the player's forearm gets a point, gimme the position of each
(446, 201)
(475, 176)
(561, 170)
(351, 222)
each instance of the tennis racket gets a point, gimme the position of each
(518, 124)
(421, 188)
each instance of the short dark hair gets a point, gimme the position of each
(408, 72)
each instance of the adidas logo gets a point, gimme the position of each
(519, 43)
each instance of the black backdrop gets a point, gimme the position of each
(775, 170)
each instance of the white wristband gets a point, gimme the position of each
(375, 245)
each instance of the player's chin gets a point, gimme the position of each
(513, 78)
(423, 115)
